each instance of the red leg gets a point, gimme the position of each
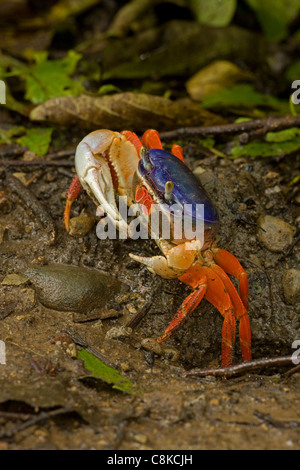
(195, 277)
(240, 313)
(177, 151)
(74, 190)
(151, 139)
(133, 138)
(218, 296)
(231, 265)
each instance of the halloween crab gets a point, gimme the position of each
(109, 164)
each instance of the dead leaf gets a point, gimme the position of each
(216, 76)
(135, 111)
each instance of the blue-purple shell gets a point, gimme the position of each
(159, 166)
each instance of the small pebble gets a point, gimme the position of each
(275, 234)
(152, 345)
(118, 332)
(14, 280)
(81, 225)
(291, 286)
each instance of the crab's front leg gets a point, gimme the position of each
(175, 261)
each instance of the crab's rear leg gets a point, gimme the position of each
(196, 277)
(152, 140)
(231, 265)
(73, 192)
(206, 283)
(240, 313)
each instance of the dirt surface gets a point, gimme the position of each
(42, 374)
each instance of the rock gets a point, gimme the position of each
(14, 280)
(152, 345)
(291, 285)
(116, 332)
(81, 225)
(72, 288)
(275, 234)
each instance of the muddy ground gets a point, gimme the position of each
(42, 379)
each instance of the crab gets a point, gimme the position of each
(111, 164)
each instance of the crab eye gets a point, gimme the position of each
(169, 186)
(144, 154)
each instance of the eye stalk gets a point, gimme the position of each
(169, 186)
(144, 154)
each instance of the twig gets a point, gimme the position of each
(32, 203)
(139, 316)
(34, 420)
(24, 163)
(82, 342)
(292, 371)
(244, 367)
(271, 123)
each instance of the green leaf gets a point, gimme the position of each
(107, 374)
(265, 149)
(275, 16)
(6, 135)
(213, 12)
(37, 139)
(48, 79)
(283, 136)
(241, 96)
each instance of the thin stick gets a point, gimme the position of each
(271, 123)
(139, 316)
(24, 163)
(242, 368)
(32, 203)
(34, 420)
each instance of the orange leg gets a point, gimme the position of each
(240, 313)
(133, 138)
(231, 265)
(151, 139)
(207, 283)
(177, 151)
(196, 277)
(74, 190)
(218, 296)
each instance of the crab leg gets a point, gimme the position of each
(190, 303)
(232, 266)
(152, 140)
(240, 313)
(74, 190)
(218, 296)
(207, 283)
(177, 259)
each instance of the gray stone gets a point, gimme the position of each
(275, 234)
(291, 285)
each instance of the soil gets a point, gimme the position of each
(42, 379)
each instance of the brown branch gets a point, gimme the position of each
(242, 368)
(32, 203)
(24, 163)
(8, 433)
(268, 124)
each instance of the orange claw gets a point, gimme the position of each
(73, 192)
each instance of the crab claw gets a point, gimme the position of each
(94, 173)
(175, 262)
